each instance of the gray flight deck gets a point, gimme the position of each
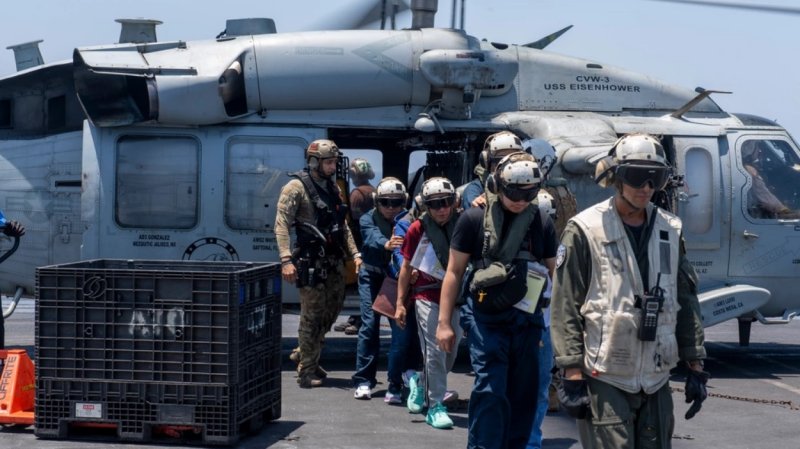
(754, 404)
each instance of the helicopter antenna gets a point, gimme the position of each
(547, 40)
(702, 94)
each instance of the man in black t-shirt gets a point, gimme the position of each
(503, 336)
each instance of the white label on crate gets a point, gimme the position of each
(88, 410)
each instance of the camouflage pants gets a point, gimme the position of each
(319, 307)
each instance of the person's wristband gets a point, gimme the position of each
(286, 262)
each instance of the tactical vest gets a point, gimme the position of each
(329, 216)
(612, 351)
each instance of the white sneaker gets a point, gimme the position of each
(363, 391)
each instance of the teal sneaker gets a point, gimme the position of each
(416, 395)
(438, 418)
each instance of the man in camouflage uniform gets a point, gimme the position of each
(311, 202)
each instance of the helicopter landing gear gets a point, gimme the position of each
(745, 323)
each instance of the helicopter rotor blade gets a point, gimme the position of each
(745, 6)
(547, 40)
(364, 14)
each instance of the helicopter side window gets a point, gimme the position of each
(157, 180)
(774, 171)
(255, 172)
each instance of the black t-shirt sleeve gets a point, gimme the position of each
(549, 238)
(468, 234)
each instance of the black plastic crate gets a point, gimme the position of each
(144, 337)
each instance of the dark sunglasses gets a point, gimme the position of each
(517, 194)
(637, 176)
(391, 203)
(440, 203)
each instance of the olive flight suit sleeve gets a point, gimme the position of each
(288, 204)
(570, 286)
(352, 249)
(689, 329)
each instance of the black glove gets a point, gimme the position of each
(574, 396)
(696, 391)
(13, 229)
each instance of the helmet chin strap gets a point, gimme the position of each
(629, 203)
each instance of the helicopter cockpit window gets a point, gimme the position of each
(157, 180)
(255, 171)
(5, 114)
(773, 167)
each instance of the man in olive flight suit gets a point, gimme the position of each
(312, 203)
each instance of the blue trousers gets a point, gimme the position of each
(545, 365)
(404, 352)
(502, 406)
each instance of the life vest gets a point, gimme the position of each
(612, 351)
(500, 278)
(439, 236)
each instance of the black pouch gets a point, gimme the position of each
(502, 296)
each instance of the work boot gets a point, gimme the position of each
(309, 381)
(320, 372)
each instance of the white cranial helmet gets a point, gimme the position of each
(390, 187)
(437, 186)
(547, 204)
(519, 169)
(635, 148)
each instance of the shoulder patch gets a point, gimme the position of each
(561, 254)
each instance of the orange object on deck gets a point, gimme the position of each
(17, 387)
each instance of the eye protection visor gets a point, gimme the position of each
(638, 175)
(517, 193)
(440, 203)
(391, 203)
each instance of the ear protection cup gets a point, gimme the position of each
(604, 171)
(491, 184)
(483, 159)
(313, 163)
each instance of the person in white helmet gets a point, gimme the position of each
(618, 328)
(377, 226)
(495, 147)
(503, 321)
(430, 234)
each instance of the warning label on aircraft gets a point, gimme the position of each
(154, 240)
(702, 266)
(265, 244)
(726, 305)
(593, 83)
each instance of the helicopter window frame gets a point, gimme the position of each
(778, 156)
(255, 172)
(145, 176)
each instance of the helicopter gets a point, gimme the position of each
(178, 149)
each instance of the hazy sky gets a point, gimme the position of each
(753, 54)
